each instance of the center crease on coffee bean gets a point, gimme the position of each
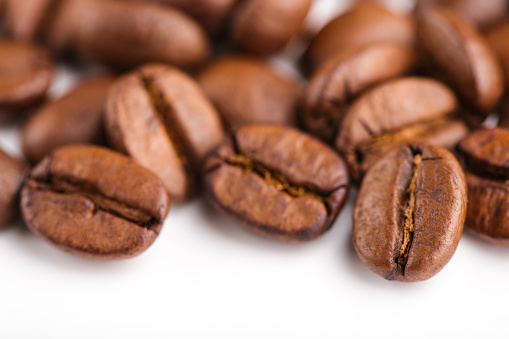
(100, 201)
(409, 216)
(166, 116)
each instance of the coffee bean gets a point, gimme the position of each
(94, 202)
(12, 173)
(485, 158)
(246, 90)
(364, 24)
(462, 57)
(498, 37)
(264, 27)
(409, 214)
(25, 74)
(160, 117)
(278, 181)
(76, 118)
(479, 12)
(126, 34)
(345, 75)
(400, 111)
(25, 19)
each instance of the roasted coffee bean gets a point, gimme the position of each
(498, 37)
(278, 181)
(160, 117)
(364, 24)
(94, 202)
(76, 118)
(462, 57)
(408, 217)
(345, 75)
(211, 14)
(404, 110)
(485, 155)
(266, 26)
(25, 19)
(479, 12)
(126, 34)
(246, 90)
(12, 173)
(25, 74)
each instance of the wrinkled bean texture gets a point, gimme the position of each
(245, 90)
(404, 110)
(485, 158)
(160, 116)
(94, 202)
(409, 214)
(277, 181)
(12, 172)
(76, 118)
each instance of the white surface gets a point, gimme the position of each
(205, 277)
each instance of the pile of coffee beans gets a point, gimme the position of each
(403, 106)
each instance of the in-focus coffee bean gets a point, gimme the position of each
(266, 26)
(366, 23)
(485, 156)
(160, 116)
(246, 90)
(278, 181)
(400, 111)
(409, 214)
(94, 202)
(76, 118)
(345, 75)
(25, 75)
(459, 54)
(12, 173)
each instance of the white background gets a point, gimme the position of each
(205, 277)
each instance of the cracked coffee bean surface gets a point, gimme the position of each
(343, 77)
(159, 116)
(485, 156)
(277, 181)
(94, 202)
(405, 110)
(409, 214)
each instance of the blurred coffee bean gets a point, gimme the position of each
(277, 181)
(25, 74)
(246, 90)
(76, 118)
(406, 110)
(266, 26)
(94, 202)
(479, 12)
(161, 117)
(25, 19)
(12, 174)
(485, 155)
(498, 37)
(458, 53)
(345, 75)
(366, 23)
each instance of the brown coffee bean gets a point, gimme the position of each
(246, 90)
(25, 74)
(364, 24)
(462, 57)
(12, 173)
(408, 217)
(126, 34)
(76, 118)
(405, 110)
(264, 27)
(278, 181)
(25, 18)
(345, 75)
(498, 37)
(94, 202)
(160, 117)
(479, 12)
(485, 155)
